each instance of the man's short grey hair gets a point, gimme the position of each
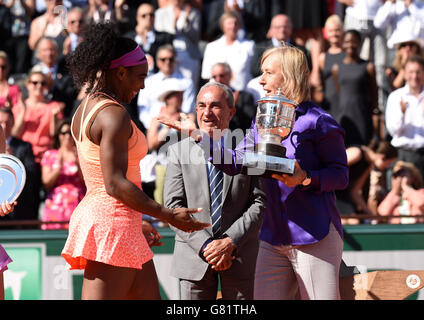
(168, 47)
(228, 93)
(225, 65)
(46, 38)
(76, 9)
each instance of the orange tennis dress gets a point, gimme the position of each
(102, 228)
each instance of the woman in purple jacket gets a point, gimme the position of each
(301, 234)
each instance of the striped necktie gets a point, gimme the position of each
(215, 188)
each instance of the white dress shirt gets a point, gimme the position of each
(407, 130)
(403, 20)
(237, 55)
(148, 104)
(364, 9)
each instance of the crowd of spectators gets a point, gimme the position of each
(366, 70)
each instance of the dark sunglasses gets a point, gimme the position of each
(407, 44)
(75, 21)
(144, 15)
(167, 59)
(400, 172)
(3, 67)
(43, 83)
(65, 132)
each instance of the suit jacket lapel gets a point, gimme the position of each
(201, 170)
(226, 186)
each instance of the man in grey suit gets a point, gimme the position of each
(228, 249)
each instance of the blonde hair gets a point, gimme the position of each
(229, 14)
(335, 19)
(295, 72)
(4, 56)
(417, 178)
(32, 72)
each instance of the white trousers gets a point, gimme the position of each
(310, 272)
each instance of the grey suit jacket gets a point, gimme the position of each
(186, 185)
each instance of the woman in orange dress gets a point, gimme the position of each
(105, 231)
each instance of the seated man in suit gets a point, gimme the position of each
(281, 29)
(146, 36)
(27, 207)
(233, 205)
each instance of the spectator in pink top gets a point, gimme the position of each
(8, 93)
(37, 118)
(62, 178)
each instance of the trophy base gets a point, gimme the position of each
(265, 165)
(271, 149)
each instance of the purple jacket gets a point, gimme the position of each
(299, 215)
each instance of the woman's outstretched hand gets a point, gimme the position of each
(186, 125)
(182, 219)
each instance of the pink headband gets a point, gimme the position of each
(130, 59)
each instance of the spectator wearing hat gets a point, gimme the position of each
(160, 137)
(403, 16)
(406, 47)
(405, 114)
(148, 103)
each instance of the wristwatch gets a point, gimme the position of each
(307, 179)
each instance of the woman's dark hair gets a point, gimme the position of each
(56, 142)
(385, 148)
(92, 57)
(354, 32)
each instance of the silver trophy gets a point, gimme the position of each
(274, 121)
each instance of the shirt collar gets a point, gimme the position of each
(302, 108)
(408, 91)
(277, 43)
